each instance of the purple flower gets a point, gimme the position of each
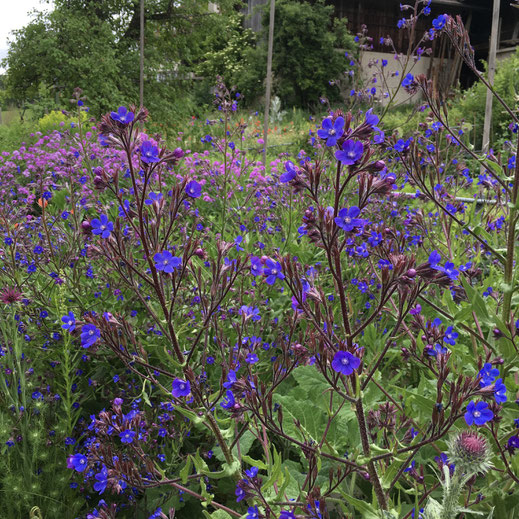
(256, 267)
(77, 462)
(89, 335)
(408, 81)
(102, 480)
(371, 118)
(439, 23)
(345, 363)
(69, 322)
(273, 271)
(102, 226)
(347, 219)
(450, 336)
(122, 115)
(152, 197)
(285, 514)
(193, 189)
(478, 413)
(180, 388)
(166, 262)
(149, 152)
(488, 375)
(331, 131)
(239, 492)
(290, 172)
(500, 391)
(228, 401)
(434, 258)
(231, 379)
(252, 472)
(250, 312)
(351, 152)
(127, 436)
(402, 145)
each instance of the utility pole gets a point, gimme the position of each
(141, 72)
(269, 80)
(494, 36)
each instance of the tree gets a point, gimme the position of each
(307, 53)
(94, 44)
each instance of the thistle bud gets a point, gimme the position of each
(470, 453)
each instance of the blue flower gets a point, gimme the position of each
(122, 115)
(434, 258)
(252, 472)
(371, 118)
(180, 388)
(450, 336)
(290, 172)
(157, 514)
(89, 335)
(252, 513)
(228, 401)
(500, 391)
(231, 379)
(166, 262)
(69, 322)
(149, 152)
(152, 197)
(408, 81)
(345, 363)
(347, 219)
(402, 145)
(439, 23)
(102, 226)
(272, 270)
(286, 515)
(127, 436)
(193, 189)
(250, 312)
(331, 131)
(488, 374)
(478, 413)
(256, 267)
(102, 480)
(78, 462)
(351, 152)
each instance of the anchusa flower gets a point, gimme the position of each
(69, 322)
(331, 131)
(89, 335)
(272, 271)
(193, 189)
(478, 413)
(123, 115)
(347, 219)
(149, 152)
(102, 226)
(78, 462)
(345, 363)
(351, 152)
(166, 262)
(290, 172)
(180, 388)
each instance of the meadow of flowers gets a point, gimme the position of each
(196, 334)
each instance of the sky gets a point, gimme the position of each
(15, 15)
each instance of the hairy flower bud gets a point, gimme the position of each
(470, 453)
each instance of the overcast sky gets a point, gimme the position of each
(15, 15)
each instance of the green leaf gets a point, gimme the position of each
(186, 470)
(366, 509)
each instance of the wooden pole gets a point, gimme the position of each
(269, 81)
(494, 35)
(141, 67)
